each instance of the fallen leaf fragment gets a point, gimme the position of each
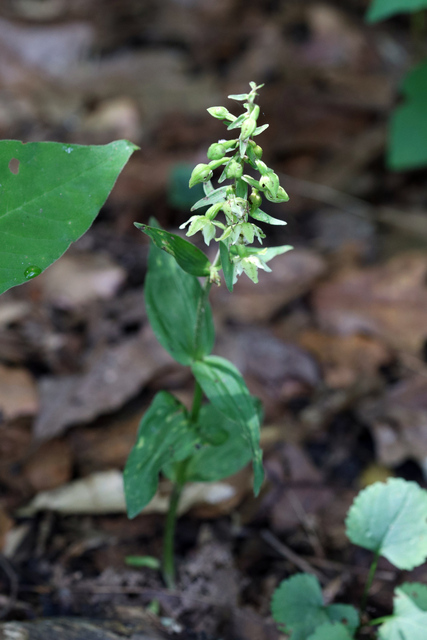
(389, 301)
(18, 393)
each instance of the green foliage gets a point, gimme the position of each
(172, 299)
(224, 386)
(50, 193)
(331, 631)
(189, 257)
(390, 519)
(298, 608)
(383, 9)
(222, 450)
(409, 619)
(408, 127)
(407, 139)
(163, 435)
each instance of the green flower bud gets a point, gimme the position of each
(269, 184)
(257, 150)
(281, 196)
(201, 173)
(216, 151)
(248, 127)
(213, 210)
(234, 169)
(255, 200)
(221, 113)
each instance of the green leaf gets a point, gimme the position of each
(218, 195)
(224, 386)
(272, 252)
(172, 298)
(143, 561)
(264, 217)
(189, 257)
(391, 519)
(164, 434)
(227, 265)
(383, 9)
(213, 462)
(417, 592)
(331, 631)
(298, 608)
(409, 621)
(407, 144)
(50, 193)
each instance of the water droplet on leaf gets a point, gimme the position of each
(32, 272)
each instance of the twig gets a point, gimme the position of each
(290, 555)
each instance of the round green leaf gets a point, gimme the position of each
(50, 193)
(391, 519)
(331, 631)
(297, 606)
(409, 621)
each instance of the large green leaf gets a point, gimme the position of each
(382, 9)
(224, 386)
(217, 461)
(164, 434)
(50, 193)
(331, 631)
(391, 519)
(172, 300)
(407, 145)
(188, 256)
(409, 620)
(298, 608)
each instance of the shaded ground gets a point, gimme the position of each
(333, 341)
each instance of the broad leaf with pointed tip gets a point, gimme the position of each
(298, 608)
(50, 193)
(224, 386)
(172, 299)
(390, 519)
(164, 435)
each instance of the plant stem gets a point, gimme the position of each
(168, 564)
(369, 581)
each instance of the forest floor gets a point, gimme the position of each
(333, 341)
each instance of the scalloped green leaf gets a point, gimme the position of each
(298, 608)
(164, 435)
(383, 9)
(50, 193)
(188, 256)
(391, 519)
(224, 386)
(417, 592)
(331, 631)
(409, 621)
(172, 298)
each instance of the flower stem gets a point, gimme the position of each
(369, 581)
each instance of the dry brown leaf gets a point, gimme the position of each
(18, 393)
(49, 466)
(389, 301)
(344, 359)
(399, 422)
(112, 377)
